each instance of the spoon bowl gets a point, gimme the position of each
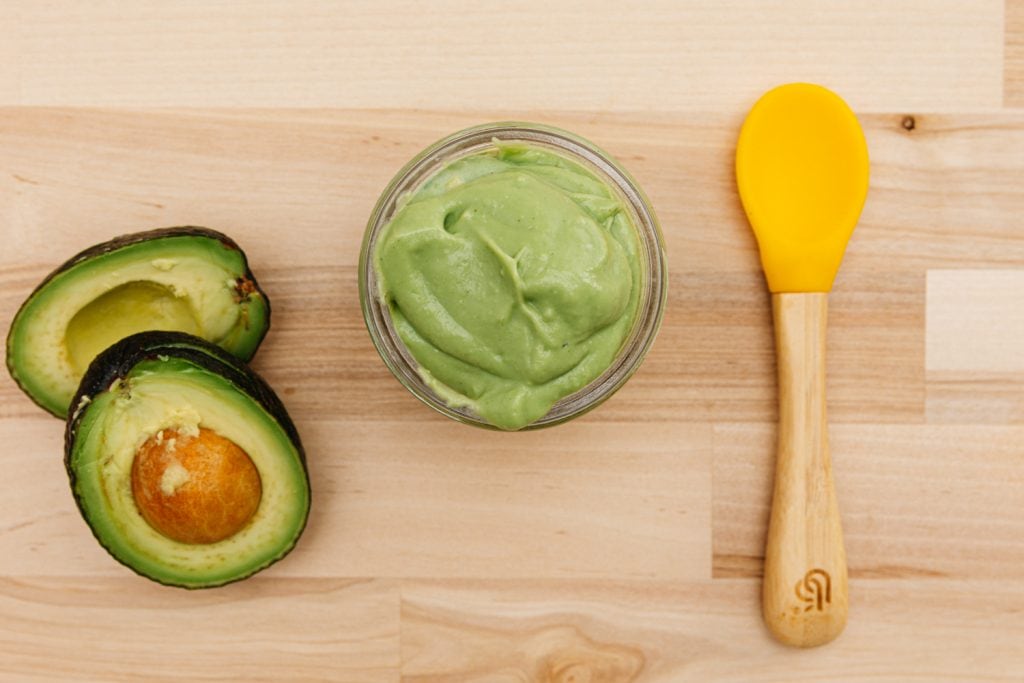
(802, 173)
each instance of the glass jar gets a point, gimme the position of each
(653, 276)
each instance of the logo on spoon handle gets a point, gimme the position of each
(815, 590)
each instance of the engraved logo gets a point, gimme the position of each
(815, 589)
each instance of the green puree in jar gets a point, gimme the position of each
(513, 277)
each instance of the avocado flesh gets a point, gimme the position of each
(121, 312)
(169, 391)
(187, 279)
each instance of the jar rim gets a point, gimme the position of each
(654, 272)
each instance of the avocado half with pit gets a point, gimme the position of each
(186, 279)
(184, 463)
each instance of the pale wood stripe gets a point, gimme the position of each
(76, 628)
(975, 321)
(296, 187)
(1013, 74)
(678, 632)
(575, 55)
(588, 499)
(978, 398)
(916, 501)
(713, 360)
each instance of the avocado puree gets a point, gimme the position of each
(513, 277)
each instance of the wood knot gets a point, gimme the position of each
(908, 123)
(574, 673)
(566, 655)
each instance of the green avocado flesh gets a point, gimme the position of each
(121, 312)
(192, 283)
(513, 278)
(175, 393)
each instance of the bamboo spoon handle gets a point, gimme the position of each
(805, 596)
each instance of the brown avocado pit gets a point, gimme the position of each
(195, 488)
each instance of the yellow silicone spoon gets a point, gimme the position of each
(802, 171)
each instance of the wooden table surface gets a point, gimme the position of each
(626, 545)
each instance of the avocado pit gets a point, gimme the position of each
(195, 488)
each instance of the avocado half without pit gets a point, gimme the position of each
(184, 463)
(185, 279)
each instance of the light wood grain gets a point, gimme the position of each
(975, 377)
(437, 501)
(959, 302)
(945, 194)
(975, 398)
(916, 501)
(562, 632)
(1013, 94)
(124, 629)
(317, 174)
(401, 492)
(713, 359)
(601, 56)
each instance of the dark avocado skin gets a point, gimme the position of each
(122, 241)
(117, 361)
(119, 243)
